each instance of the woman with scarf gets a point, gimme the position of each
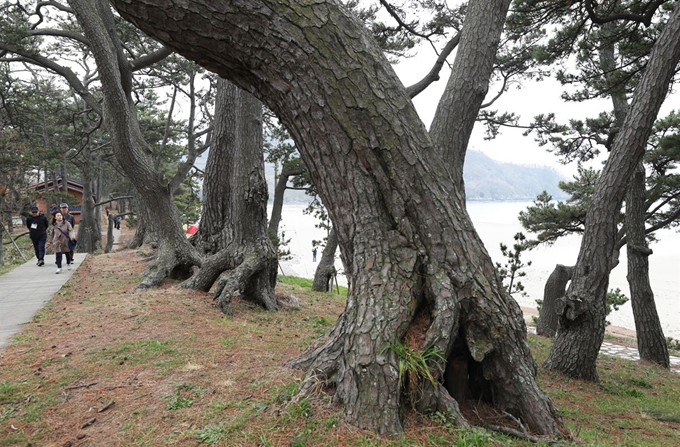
(62, 233)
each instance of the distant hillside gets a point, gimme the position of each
(488, 179)
(485, 179)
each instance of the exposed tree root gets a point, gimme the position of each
(211, 269)
(252, 279)
(169, 260)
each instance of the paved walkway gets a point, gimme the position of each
(624, 352)
(26, 289)
(632, 354)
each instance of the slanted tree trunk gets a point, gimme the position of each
(288, 170)
(650, 339)
(325, 271)
(583, 313)
(233, 226)
(408, 243)
(554, 290)
(468, 84)
(277, 205)
(174, 252)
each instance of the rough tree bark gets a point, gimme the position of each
(468, 83)
(325, 271)
(651, 341)
(408, 243)
(89, 229)
(554, 290)
(582, 315)
(233, 226)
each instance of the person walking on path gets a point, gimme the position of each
(37, 225)
(68, 217)
(62, 232)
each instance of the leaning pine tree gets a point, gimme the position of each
(583, 311)
(419, 274)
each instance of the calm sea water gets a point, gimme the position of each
(496, 223)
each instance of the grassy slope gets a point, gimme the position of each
(105, 365)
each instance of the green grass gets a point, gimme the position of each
(139, 352)
(212, 434)
(306, 283)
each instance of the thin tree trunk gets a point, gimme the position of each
(325, 271)
(277, 205)
(554, 290)
(2, 232)
(650, 338)
(89, 229)
(287, 171)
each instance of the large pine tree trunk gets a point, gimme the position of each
(582, 319)
(233, 226)
(554, 290)
(409, 246)
(650, 339)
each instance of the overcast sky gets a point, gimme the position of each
(510, 146)
(534, 98)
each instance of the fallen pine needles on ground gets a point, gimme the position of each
(105, 365)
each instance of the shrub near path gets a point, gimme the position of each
(105, 365)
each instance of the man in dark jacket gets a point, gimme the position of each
(68, 217)
(37, 228)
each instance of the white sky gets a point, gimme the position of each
(534, 98)
(510, 146)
